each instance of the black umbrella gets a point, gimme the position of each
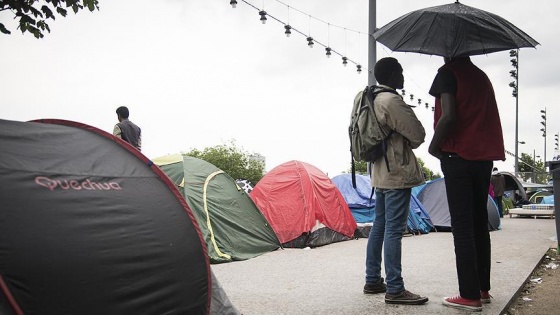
(452, 30)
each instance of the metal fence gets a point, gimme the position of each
(535, 177)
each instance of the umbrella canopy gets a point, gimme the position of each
(452, 30)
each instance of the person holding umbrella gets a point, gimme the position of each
(467, 139)
(468, 135)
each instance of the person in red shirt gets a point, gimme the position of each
(467, 139)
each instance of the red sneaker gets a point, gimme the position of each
(462, 303)
(485, 297)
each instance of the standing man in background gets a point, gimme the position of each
(499, 183)
(126, 129)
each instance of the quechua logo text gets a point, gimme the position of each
(73, 184)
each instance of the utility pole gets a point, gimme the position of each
(372, 50)
(535, 166)
(543, 129)
(514, 84)
(372, 47)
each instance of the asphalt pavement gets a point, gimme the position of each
(329, 279)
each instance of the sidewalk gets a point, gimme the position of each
(329, 279)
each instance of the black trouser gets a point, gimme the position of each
(467, 185)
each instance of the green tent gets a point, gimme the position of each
(231, 224)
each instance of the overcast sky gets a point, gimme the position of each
(196, 74)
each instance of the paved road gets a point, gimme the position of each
(329, 279)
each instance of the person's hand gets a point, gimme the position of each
(435, 151)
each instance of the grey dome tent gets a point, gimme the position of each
(434, 198)
(88, 225)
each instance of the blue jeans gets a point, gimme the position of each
(391, 213)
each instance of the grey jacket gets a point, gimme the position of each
(408, 133)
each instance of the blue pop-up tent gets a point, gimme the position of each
(362, 205)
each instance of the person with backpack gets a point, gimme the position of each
(393, 179)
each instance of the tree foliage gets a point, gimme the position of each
(234, 161)
(34, 14)
(360, 167)
(532, 171)
(428, 173)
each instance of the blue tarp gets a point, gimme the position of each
(363, 209)
(418, 219)
(358, 197)
(549, 200)
(363, 215)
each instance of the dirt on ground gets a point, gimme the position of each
(541, 293)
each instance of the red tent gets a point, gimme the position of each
(298, 200)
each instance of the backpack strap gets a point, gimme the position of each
(386, 136)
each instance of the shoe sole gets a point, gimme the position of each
(462, 307)
(407, 302)
(485, 301)
(374, 291)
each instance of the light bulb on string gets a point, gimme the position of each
(328, 49)
(344, 61)
(359, 68)
(233, 3)
(263, 16)
(288, 31)
(310, 42)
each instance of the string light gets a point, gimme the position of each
(310, 42)
(287, 26)
(289, 29)
(263, 16)
(328, 49)
(287, 32)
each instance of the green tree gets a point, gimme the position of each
(234, 161)
(531, 170)
(360, 167)
(33, 14)
(428, 173)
